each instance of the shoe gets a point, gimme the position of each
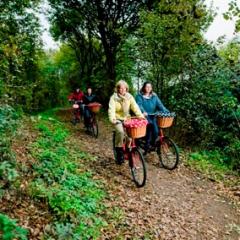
(73, 121)
(120, 155)
(151, 148)
(146, 150)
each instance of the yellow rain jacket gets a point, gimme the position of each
(120, 106)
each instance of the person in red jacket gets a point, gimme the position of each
(77, 98)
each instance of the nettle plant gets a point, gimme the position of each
(61, 181)
(10, 230)
(8, 123)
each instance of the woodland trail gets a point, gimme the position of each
(179, 204)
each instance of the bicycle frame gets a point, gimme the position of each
(161, 135)
(127, 148)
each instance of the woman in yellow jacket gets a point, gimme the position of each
(120, 104)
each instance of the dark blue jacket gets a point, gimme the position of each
(150, 105)
(89, 98)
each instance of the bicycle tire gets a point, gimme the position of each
(168, 153)
(137, 165)
(94, 128)
(74, 121)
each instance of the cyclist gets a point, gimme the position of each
(89, 97)
(149, 104)
(77, 97)
(120, 104)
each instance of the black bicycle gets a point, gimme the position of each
(92, 122)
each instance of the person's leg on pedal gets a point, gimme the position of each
(120, 134)
(87, 116)
(148, 138)
(155, 131)
(149, 134)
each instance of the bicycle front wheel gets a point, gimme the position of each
(94, 128)
(138, 167)
(168, 153)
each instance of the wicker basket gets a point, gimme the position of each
(75, 106)
(165, 122)
(136, 131)
(94, 107)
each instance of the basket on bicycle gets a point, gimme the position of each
(94, 107)
(75, 106)
(135, 127)
(165, 120)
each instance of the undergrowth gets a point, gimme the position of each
(9, 229)
(212, 164)
(8, 170)
(63, 182)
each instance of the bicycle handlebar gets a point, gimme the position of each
(162, 114)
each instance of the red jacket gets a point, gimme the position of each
(76, 96)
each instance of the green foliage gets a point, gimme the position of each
(126, 61)
(233, 13)
(69, 191)
(8, 124)
(19, 45)
(201, 85)
(7, 171)
(232, 152)
(207, 107)
(8, 117)
(211, 163)
(168, 36)
(9, 229)
(96, 30)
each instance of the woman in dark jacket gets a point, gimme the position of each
(89, 97)
(149, 104)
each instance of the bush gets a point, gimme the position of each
(207, 106)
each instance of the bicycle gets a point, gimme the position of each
(164, 146)
(77, 112)
(92, 126)
(135, 159)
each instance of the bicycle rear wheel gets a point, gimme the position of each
(168, 153)
(138, 167)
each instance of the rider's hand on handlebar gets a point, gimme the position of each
(114, 121)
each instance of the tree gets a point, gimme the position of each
(233, 13)
(168, 36)
(206, 104)
(107, 20)
(19, 45)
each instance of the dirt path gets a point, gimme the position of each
(175, 204)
